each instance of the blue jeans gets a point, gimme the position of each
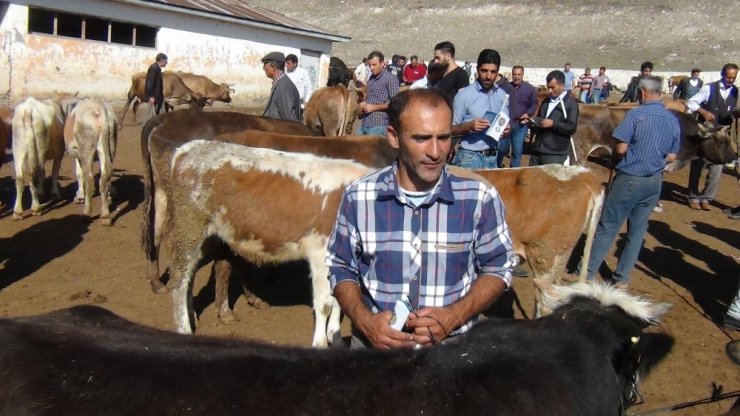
(584, 96)
(596, 96)
(473, 160)
(373, 131)
(515, 139)
(632, 198)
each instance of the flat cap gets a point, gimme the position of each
(274, 57)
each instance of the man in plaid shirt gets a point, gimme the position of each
(414, 231)
(381, 87)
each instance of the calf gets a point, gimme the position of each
(176, 129)
(205, 176)
(332, 111)
(38, 137)
(90, 130)
(585, 359)
(204, 86)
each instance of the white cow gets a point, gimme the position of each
(90, 129)
(37, 137)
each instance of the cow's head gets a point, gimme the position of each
(605, 312)
(224, 92)
(716, 144)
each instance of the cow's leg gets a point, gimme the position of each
(160, 216)
(18, 205)
(36, 189)
(186, 255)
(57, 164)
(88, 183)
(106, 170)
(80, 194)
(325, 306)
(222, 271)
(137, 103)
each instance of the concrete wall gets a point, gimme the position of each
(38, 65)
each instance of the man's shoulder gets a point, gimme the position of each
(462, 179)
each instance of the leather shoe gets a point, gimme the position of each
(694, 204)
(705, 205)
(732, 323)
(519, 272)
(734, 216)
(622, 285)
(571, 278)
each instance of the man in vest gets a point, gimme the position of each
(714, 103)
(689, 87)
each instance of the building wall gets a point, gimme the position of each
(39, 65)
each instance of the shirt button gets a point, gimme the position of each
(414, 277)
(416, 212)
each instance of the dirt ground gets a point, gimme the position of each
(61, 259)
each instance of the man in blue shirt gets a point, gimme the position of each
(478, 150)
(381, 87)
(648, 138)
(416, 232)
(570, 78)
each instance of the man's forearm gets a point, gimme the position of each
(483, 292)
(462, 128)
(349, 297)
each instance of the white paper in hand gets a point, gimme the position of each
(496, 130)
(401, 313)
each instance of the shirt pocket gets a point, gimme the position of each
(451, 259)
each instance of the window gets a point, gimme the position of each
(91, 28)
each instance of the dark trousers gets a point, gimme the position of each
(537, 160)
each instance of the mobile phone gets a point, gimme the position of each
(401, 311)
(490, 116)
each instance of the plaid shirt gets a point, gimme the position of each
(430, 254)
(380, 89)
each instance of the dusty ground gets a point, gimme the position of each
(61, 259)
(676, 35)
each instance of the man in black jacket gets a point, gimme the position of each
(633, 93)
(285, 101)
(556, 122)
(154, 86)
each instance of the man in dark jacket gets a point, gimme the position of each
(556, 122)
(285, 101)
(154, 86)
(633, 93)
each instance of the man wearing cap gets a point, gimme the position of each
(284, 102)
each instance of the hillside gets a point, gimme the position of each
(675, 34)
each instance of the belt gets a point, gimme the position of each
(486, 152)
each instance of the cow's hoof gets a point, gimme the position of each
(105, 221)
(79, 200)
(256, 302)
(36, 213)
(158, 287)
(17, 216)
(228, 318)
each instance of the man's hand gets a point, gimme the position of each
(366, 108)
(546, 123)
(378, 331)
(151, 100)
(524, 119)
(431, 325)
(506, 131)
(478, 124)
(706, 114)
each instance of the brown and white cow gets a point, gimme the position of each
(175, 129)
(90, 130)
(38, 137)
(332, 111)
(262, 224)
(174, 89)
(202, 85)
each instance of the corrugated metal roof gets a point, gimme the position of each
(239, 10)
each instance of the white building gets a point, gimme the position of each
(94, 46)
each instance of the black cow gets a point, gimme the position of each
(338, 73)
(583, 359)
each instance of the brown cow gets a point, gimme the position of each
(674, 81)
(174, 89)
(204, 86)
(180, 127)
(332, 111)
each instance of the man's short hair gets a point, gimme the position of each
(603, 68)
(376, 54)
(445, 47)
(727, 67)
(489, 56)
(414, 58)
(160, 57)
(695, 70)
(651, 84)
(291, 58)
(431, 97)
(567, 64)
(517, 67)
(556, 75)
(395, 58)
(646, 65)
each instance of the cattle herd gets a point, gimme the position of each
(224, 187)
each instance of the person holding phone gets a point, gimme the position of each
(555, 123)
(474, 109)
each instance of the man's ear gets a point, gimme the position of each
(393, 138)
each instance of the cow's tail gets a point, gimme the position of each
(34, 119)
(147, 221)
(343, 118)
(595, 204)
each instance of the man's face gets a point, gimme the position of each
(442, 58)
(376, 66)
(401, 63)
(269, 69)
(424, 143)
(730, 76)
(517, 76)
(555, 88)
(602, 71)
(414, 62)
(566, 68)
(487, 75)
(647, 71)
(162, 63)
(290, 66)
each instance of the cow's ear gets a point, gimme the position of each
(705, 131)
(649, 350)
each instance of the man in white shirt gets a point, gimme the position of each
(362, 73)
(300, 78)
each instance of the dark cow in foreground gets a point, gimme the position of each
(202, 85)
(582, 360)
(339, 74)
(332, 111)
(174, 89)
(180, 127)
